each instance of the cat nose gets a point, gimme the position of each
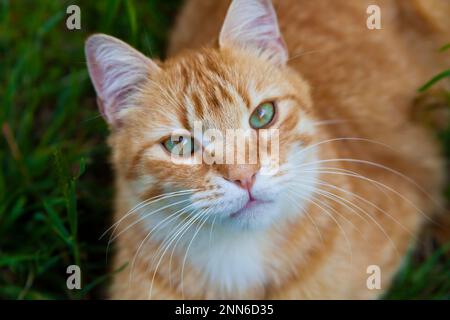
(242, 175)
(246, 183)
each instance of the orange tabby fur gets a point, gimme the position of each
(363, 80)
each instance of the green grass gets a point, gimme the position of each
(55, 179)
(427, 276)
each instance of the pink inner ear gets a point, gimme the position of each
(253, 23)
(276, 51)
(116, 70)
(106, 107)
(115, 121)
(97, 80)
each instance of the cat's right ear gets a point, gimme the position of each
(117, 71)
(253, 24)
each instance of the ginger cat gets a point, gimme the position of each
(355, 179)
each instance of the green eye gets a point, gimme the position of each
(183, 146)
(263, 115)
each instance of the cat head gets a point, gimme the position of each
(165, 119)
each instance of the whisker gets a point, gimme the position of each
(356, 175)
(349, 173)
(339, 199)
(148, 202)
(165, 244)
(349, 247)
(360, 161)
(329, 122)
(367, 202)
(181, 230)
(299, 55)
(145, 216)
(173, 251)
(206, 216)
(140, 206)
(178, 229)
(211, 231)
(160, 224)
(337, 212)
(307, 215)
(174, 247)
(357, 139)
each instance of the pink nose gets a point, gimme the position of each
(246, 183)
(242, 175)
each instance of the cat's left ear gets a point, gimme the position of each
(117, 72)
(253, 24)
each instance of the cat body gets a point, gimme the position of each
(356, 180)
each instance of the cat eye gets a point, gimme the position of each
(180, 145)
(263, 115)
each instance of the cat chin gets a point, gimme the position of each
(257, 216)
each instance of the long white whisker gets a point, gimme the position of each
(307, 215)
(160, 224)
(182, 230)
(329, 122)
(343, 201)
(148, 202)
(337, 212)
(355, 175)
(320, 182)
(206, 216)
(310, 199)
(181, 233)
(140, 206)
(211, 231)
(315, 145)
(360, 161)
(146, 215)
(348, 173)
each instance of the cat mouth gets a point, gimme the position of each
(251, 204)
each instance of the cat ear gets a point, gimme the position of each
(117, 71)
(253, 23)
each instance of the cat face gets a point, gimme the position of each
(173, 124)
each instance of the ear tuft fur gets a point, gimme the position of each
(116, 70)
(253, 24)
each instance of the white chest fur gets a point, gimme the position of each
(231, 261)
